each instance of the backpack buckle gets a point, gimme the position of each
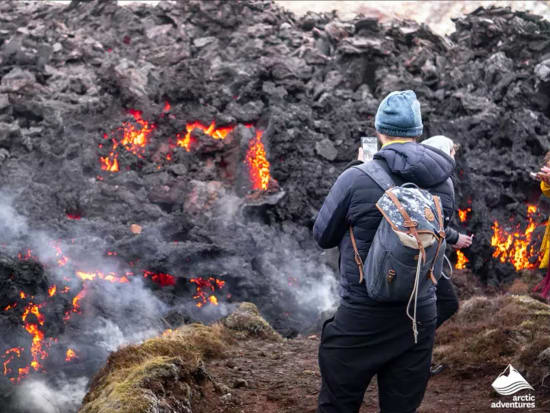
(410, 223)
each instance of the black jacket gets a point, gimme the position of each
(352, 201)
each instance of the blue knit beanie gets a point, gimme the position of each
(399, 115)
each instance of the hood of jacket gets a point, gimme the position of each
(420, 164)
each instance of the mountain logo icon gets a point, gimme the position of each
(507, 384)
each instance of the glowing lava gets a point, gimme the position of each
(204, 289)
(134, 139)
(70, 355)
(463, 214)
(515, 247)
(34, 321)
(160, 278)
(461, 260)
(37, 334)
(258, 165)
(210, 130)
(111, 277)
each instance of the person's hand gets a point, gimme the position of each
(464, 241)
(360, 156)
(544, 174)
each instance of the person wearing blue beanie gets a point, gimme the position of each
(399, 115)
(367, 337)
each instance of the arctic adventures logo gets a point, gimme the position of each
(509, 382)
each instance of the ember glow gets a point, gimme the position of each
(210, 130)
(8, 356)
(160, 278)
(111, 276)
(205, 288)
(70, 355)
(33, 327)
(461, 260)
(515, 246)
(258, 165)
(463, 214)
(134, 139)
(33, 320)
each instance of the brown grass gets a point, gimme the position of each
(488, 333)
(167, 372)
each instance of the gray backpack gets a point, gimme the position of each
(406, 256)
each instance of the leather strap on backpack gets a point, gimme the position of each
(437, 202)
(357, 257)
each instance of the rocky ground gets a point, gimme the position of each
(436, 14)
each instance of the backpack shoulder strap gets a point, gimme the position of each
(377, 173)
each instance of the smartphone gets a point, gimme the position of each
(370, 147)
(534, 176)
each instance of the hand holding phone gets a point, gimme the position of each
(370, 147)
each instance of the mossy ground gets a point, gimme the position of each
(488, 333)
(165, 373)
(241, 365)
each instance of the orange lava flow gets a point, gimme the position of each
(110, 163)
(461, 260)
(70, 355)
(515, 247)
(258, 165)
(211, 130)
(111, 277)
(33, 329)
(204, 289)
(8, 356)
(34, 321)
(463, 214)
(134, 139)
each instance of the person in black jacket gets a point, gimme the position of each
(447, 300)
(366, 337)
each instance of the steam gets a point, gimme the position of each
(12, 225)
(112, 315)
(37, 397)
(286, 260)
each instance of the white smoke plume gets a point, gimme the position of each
(37, 397)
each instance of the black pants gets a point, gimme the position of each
(358, 343)
(447, 300)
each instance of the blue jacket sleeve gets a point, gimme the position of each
(331, 223)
